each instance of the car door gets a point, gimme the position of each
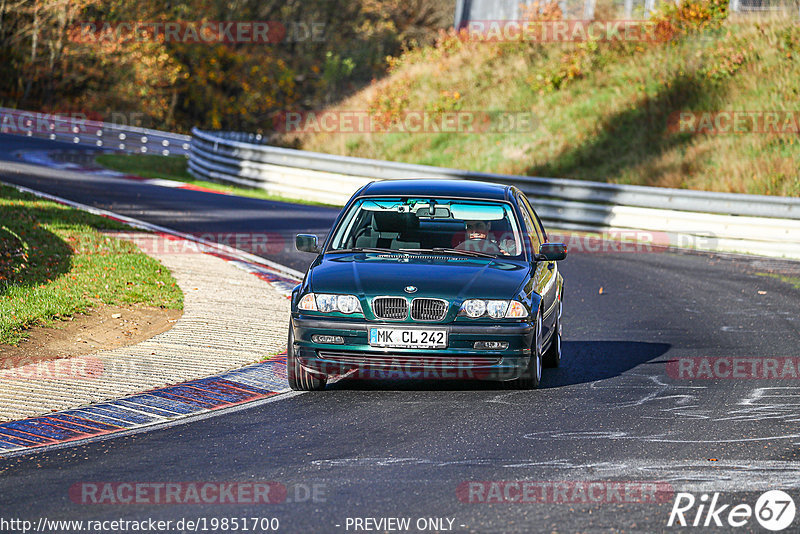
(545, 272)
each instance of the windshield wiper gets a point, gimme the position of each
(375, 249)
(474, 253)
(418, 251)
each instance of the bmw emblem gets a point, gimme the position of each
(410, 289)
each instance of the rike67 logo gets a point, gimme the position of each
(774, 510)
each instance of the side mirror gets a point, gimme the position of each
(551, 252)
(306, 243)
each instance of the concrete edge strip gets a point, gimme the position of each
(161, 407)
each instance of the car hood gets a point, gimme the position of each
(449, 277)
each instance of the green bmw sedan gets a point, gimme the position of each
(429, 279)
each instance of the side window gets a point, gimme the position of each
(540, 228)
(533, 228)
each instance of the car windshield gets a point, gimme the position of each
(442, 225)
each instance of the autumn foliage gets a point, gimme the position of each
(328, 48)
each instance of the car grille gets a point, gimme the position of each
(428, 309)
(390, 308)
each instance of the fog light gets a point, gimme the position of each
(327, 340)
(491, 345)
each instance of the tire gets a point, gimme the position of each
(552, 358)
(299, 378)
(532, 376)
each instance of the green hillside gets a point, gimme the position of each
(602, 110)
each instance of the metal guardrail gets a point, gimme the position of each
(241, 155)
(757, 224)
(79, 131)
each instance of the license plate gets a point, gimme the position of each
(407, 338)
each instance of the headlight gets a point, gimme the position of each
(474, 307)
(327, 303)
(347, 303)
(496, 309)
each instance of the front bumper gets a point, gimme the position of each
(458, 361)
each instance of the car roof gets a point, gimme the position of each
(436, 188)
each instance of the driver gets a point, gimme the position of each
(477, 230)
(478, 239)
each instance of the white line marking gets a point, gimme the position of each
(655, 438)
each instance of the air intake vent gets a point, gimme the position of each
(390, 308)
(428, 309)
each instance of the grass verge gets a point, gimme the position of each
(55, 262)
(791, 280)
(175, 168)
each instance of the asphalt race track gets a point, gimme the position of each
(407, 448)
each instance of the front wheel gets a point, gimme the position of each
(532, 376)
(299, 378)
